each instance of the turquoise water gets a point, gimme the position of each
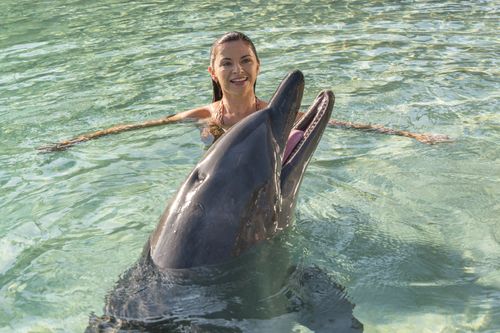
(412, 231)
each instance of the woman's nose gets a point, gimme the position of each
(237, 68)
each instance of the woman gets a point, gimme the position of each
(234, 67)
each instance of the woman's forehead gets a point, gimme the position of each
(237, 48)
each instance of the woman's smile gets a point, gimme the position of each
(240, 81)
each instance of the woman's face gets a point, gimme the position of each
(235, 67)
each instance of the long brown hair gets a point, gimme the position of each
(229, 37)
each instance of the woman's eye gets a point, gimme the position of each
(225, 64)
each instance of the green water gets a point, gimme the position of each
(412, 231)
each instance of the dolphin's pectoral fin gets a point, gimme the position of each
(103, 324)
(322, 303)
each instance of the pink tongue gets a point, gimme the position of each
(294, 138)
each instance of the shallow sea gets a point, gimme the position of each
(411, 230)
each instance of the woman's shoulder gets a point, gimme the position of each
(200, 113)
(262, 104)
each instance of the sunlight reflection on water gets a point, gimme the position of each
(410, 230)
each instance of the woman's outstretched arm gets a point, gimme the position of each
(428, 138)
(202, 113)
(199, 113)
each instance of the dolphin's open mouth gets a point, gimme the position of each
(303, 129)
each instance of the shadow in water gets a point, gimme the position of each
(408, 274)
(260, 291)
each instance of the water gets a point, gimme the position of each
(412, 231)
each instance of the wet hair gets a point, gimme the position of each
(228, 37)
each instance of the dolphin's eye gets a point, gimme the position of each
(199, 176)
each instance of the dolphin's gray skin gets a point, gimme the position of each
(243, 191)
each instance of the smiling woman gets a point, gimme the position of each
(234, 67)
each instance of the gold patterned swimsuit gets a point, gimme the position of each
(214, 129)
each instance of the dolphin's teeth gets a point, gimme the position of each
(317, 118)
(320, 111)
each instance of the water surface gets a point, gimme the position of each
(411, 230)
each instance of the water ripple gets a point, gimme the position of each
(411, 231)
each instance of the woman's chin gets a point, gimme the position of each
(240, 87)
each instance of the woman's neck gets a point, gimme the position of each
(239, 106)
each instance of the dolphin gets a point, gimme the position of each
(242, 192)
(245, 188)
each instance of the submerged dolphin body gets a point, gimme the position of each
(244, 190)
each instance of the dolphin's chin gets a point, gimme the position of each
(309, 127)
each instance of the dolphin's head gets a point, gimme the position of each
(233, 197)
